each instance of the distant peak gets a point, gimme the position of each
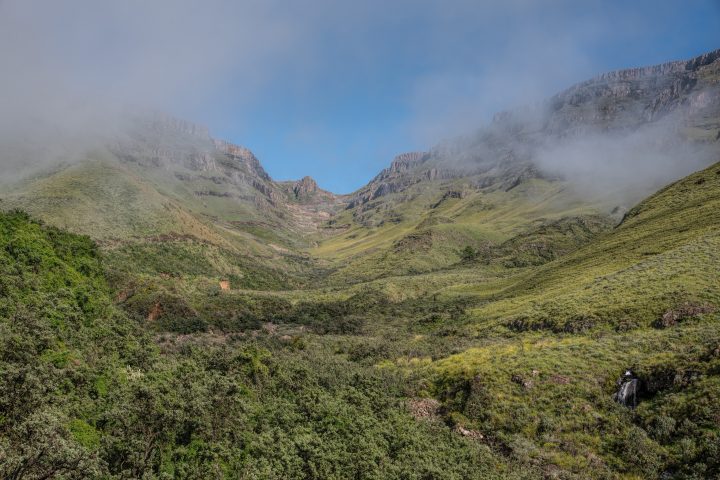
(164, 122)
(408, 157)
(308, 180)
(406, 160)
(305, 186)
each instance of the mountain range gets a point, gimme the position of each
(166, 183)
(505, 278)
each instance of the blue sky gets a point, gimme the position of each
(334, 89)
(360, 107)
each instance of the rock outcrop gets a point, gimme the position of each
(244, 155)
(305, 187)
(393, 179)
(626, 99)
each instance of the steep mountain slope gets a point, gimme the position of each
(178, 215)
(661, 256)
(429, 225)
(164, 190)
(173, 161)
(516, 175)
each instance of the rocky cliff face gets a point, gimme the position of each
(310, 205)
(404, 162)
(305, 187)
(686, 93)
(165, 123)
(244, 155)
(628, 99)
(162, 143)
(226, 179)
(393, 179)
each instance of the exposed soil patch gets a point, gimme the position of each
(155, 312)
(424, 408)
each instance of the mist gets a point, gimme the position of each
(74, 72)
(367, 79)
(624, 167)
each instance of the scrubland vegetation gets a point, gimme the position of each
(89, 393)
(132, 362)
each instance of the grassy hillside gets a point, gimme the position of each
(662, 255)
(525, 359)
(552, 341)
(437, 225)
(159, 239)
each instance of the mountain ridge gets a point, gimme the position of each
(476, 191)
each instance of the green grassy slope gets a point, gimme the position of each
(425, 229)
(551, 342)
(663, 254)
(527, 358)
(164, 187)
(549, 400)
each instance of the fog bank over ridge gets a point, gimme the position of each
(79, 76)
(621, 134)
(328, 89)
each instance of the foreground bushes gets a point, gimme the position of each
(85, 393)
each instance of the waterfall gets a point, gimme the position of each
(627, 390)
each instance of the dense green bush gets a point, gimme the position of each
(84, 393)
